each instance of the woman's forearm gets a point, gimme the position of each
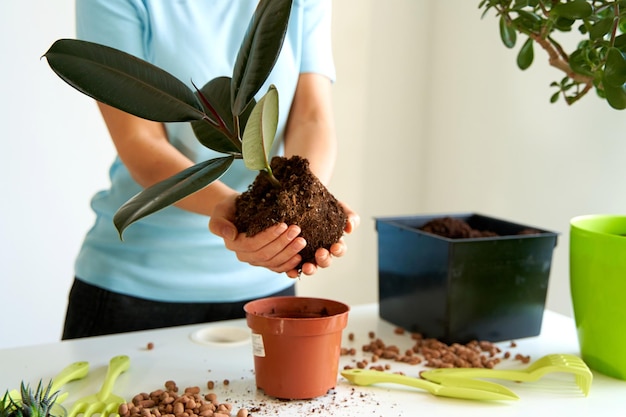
(144, 149)
(310, 130)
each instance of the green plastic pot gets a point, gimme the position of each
(598, 286)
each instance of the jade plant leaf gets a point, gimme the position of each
(526, 55)
(616, 96)
(601, 28)
(259, 51)
(261, 131)
(576, 9)
(580, 64)
(123, 81)
(614, 79)
(528, 20)
(507, 33)
(171, 190)
(615, 68)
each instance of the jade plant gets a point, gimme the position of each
(224, 114)
(596, 62)
(29, 403)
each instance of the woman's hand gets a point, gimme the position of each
(277, 247)
(323, 257)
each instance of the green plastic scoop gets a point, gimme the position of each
(72, 372)
(469, 389)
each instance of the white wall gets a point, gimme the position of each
(432, 114)
(55, 155)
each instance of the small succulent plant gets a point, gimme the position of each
(37, 403)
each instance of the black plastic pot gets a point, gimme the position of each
(457, 290)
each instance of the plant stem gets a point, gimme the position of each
(272, 178)
(615, 23)
(556, 60)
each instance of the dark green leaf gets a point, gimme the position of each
(601, 28)
(529, 20)
(615, 69)
(620, 42)
(169, 191)
(123, 81)
(555, 97)
(526, 55)
(259, 51)
(616, 96)
(564, 24)
(576, 9)
(507, 33)
(579, 63)
(217, 91)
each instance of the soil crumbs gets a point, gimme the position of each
(459, 229)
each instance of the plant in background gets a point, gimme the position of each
(29, 404)
(597, 61)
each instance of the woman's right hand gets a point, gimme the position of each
(275, 248)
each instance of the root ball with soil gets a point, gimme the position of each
(300, 199)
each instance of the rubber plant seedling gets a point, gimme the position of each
(223, 113)
(596, 61)
(226, 118)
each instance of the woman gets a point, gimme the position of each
(169, 270)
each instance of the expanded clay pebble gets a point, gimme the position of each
(434, 353)
(167, 403)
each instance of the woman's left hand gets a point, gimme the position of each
(323, 257)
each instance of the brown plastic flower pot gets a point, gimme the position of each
(296, 343)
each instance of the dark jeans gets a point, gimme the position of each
(93, 311)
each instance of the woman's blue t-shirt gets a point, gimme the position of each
(171, 255)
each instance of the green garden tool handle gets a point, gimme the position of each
(452, 387)
(438, 375)
(117, 365)
(72, 372)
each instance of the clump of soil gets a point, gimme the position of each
(454, 229)
(301, 199)
(459, 229)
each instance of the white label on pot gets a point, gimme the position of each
(257, 345)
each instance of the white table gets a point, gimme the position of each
(176, 357)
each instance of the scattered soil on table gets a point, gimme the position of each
(459, 229)
(301, 199)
